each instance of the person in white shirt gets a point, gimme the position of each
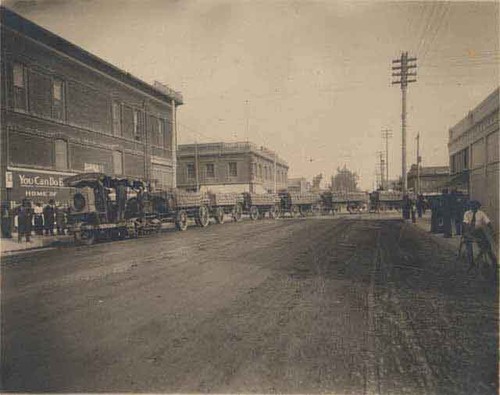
(478, 228)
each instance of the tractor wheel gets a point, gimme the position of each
(219, 215)
(254, 213)
(203, 216)
(274, 212)
(181, 222)
(85, 237)
(237, 211)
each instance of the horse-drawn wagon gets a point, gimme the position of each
(257, 205)
(296, 203)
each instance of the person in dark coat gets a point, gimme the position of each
(413, 210)
(60, 220)
(121, 199)
(24, 218)
(420, 205)
(435, 209)
(38, 218)
(447, 209)
(49, 218)
(6, 221)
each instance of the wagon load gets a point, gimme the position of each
(262, 199)
(224, 199)
(357, 197)
(258, 204)
(225, 203)
(303, 198)
(183, 199)
(390, 196)
(296, 203)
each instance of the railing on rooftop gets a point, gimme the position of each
(205, 148)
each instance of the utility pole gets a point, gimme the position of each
(402, 69)
(419, 159)
(381, 169)
(196, 166)
(386, 135)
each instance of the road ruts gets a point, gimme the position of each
(343, 306)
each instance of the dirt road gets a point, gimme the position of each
(291, 306)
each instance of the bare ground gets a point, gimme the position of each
(291, 306)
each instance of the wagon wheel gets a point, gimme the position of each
(274, 212)
(237, 211)
(203, 216)
(254, 213)
(181, 222)
(302, 211)
(85, 237)
(219, 215)
(294, 211)
(316, 210)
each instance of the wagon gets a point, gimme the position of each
(221, 204)
(256, 205)
(179, 206)
(295, 203)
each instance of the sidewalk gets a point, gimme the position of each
(424, 223)
(11, 245)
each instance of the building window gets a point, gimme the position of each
(233, 169)
(210, 170)
(61, 150)
(118, 162)
(260, 170)
(57, 99)
(162, 138)
(137, 125)
(19, 78)
(117, 119)
(191, 171)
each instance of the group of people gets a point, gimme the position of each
(413, 207)
(29, 218)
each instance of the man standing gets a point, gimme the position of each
(6, 221)
(38, 219)
(24, 218)
(447, 211)
(60, 219)
(49, 218)
(477, 228)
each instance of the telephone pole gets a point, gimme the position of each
(381, 170)
(419, 159)
(402, 69)
(386, 135)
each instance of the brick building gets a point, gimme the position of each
(231, 167)
(433, 179)
(65, 111)
(474, 158)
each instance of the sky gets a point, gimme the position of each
(309, 79)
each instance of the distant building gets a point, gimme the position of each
(65, 111)
(433, 179)
(474, 158)
(299, 184)
(230, 167)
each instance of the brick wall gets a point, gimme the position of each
(28, 137)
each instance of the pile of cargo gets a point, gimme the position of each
(184, 199)
(224, 199)
(303, 198)
(260, 199)
(390, 196)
